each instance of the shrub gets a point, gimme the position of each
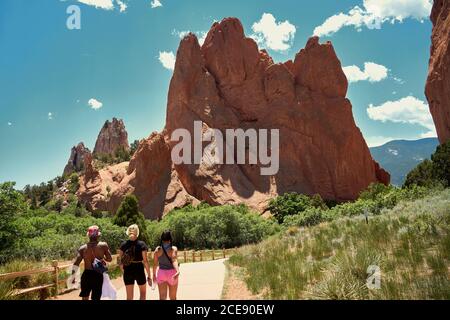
(409, 243)
(45, 235)
(208, 227)
(293, 203)
(76, 209)
(121, 155)
(375, 191)
(441, 163)
(309, 217)
(74, 184)
(430, 173)
(133, 147)
(422, 175)
(128, 214)
(55, 204)
(372, 201)
(12, 203)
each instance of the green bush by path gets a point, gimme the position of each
(372, 201)
(293, 203)
(46, 234)
(43, 235)
(208, 227)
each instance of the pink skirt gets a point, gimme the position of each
(166, 276)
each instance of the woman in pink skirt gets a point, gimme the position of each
(165, 267)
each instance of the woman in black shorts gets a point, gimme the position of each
(133, 260)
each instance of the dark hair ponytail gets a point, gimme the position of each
(166, 236)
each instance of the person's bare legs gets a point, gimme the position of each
(173, 292)
(143, 292)
(162, 288)
(130, 292)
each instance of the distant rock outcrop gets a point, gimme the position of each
(112, 137)
(438, 84)
(76, 160)
(228, 83)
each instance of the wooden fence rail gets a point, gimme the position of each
(56, 268)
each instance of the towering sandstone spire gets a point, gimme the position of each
(228, 83)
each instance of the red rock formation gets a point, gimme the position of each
(229, 83)
(76, 160)
(148, 176)
(90, 173)
(112, 136)
(97, 187)
(438, 84)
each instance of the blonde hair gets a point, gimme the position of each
(133, 229)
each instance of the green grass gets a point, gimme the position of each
(409, 243)
(8, 286)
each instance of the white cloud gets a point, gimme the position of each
(406, 110)
(277, 36)
(95, 104)
(429, 134)
(102, 4)
(106, 4)
(167, 59)
(156, 4)
(201, 35)
(374, 13)
(376, 141)
(122, 5)
(372, 72)
(50, 116)
(398, 80)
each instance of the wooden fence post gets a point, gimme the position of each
(213, 254)
(193, 255)
(42, 294)
(55, 266)
(185, 256)
(224, 253)
(201, 255)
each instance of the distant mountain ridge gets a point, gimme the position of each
(399, 157)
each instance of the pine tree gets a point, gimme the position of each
(128, 214)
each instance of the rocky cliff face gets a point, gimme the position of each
(438, 84)
(112, 136)
(76, 160)
(228, 83)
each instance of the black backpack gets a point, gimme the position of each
(128, 255)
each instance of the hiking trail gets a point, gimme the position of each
(198, 281)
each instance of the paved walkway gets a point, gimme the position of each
(198, 281)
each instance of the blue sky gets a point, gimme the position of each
(49, 73)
